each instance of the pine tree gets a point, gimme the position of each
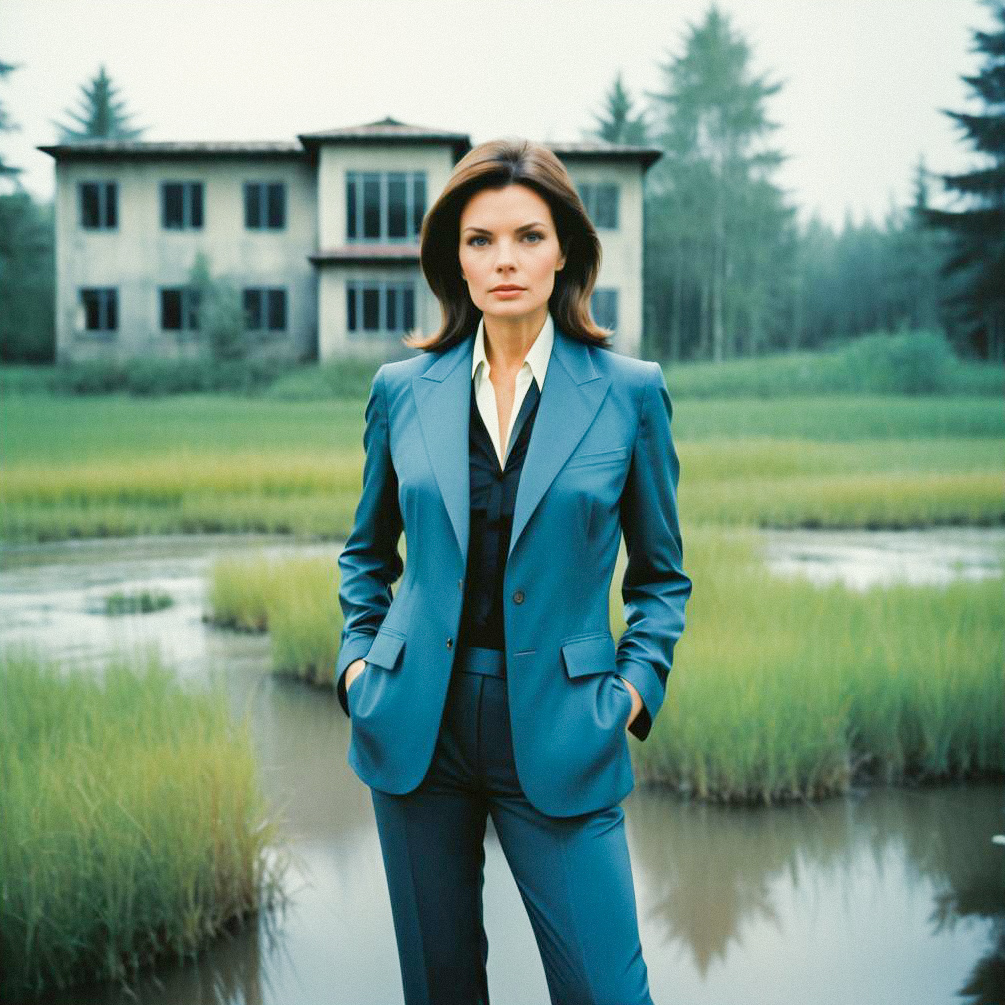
(617, 124)
(978, 255)
(27, 273)
(7, 126)
(918, 252)
(101, 115)
(715, 222)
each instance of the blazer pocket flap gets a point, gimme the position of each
(592, 654)
(597, 457)
(385, 649)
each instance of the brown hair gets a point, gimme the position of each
(496, 164)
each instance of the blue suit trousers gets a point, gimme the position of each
(573, 873)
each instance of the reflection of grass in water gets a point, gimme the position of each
(144, 602)
(134, 827)
(780, 688)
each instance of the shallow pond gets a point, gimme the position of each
(887, 895)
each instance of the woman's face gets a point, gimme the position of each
(508, 237)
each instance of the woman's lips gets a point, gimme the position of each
(507, 293)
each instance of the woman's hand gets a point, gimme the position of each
(636, 700)
(358, 666)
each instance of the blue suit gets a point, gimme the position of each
(600, 461)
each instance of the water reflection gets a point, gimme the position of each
(863, 558)
(888, 895)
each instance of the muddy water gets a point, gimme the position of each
(884, 896)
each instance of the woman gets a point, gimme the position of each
(513, 452)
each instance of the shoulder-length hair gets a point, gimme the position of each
(496, 164)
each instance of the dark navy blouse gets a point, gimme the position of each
(493, 497)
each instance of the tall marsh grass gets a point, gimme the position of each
(75, 478)
(134, 826)
(784, 689)
(295, 599)
(781, 689)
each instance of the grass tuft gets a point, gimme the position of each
(134, 826)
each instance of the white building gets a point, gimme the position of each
(320, 237)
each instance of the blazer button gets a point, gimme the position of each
(518, 597)
(450, 643)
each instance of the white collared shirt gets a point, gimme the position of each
(535, 365)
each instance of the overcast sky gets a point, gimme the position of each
(863, 80)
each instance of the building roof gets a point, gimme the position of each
(601, 149)
(126, 149)
(388, 130)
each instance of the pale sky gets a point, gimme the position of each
(863, 80)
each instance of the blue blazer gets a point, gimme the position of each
(600, 461)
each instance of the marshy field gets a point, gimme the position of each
(173, 782)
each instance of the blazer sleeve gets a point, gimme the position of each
(655, 587)
(370, 562)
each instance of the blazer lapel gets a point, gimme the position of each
(443, 402)
(570, 398)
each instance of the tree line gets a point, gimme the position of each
(728, 269)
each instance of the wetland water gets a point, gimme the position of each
(886, 895)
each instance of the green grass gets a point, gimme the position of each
(785, 689)
(120, 428)
(908, 363)
(140, 602)
(115, 466)
(75, 431)
(780, 689)
(840, 419)
(134, 826)
(295, 599)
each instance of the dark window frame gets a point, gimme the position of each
(387, 296)
(263, 204)
(106, 196)
(263, 304)
(410, 212)
(602, 201)
(193, 209)
(101, 304)
(604, 304)
(185, 307)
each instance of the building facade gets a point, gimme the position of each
(318, 240)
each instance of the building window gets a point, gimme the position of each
(384, 205)
(264, 205)
(380, 307)
(181, 205)
(99, 209)
(601, 202)
(101, 308)
(265, 308)
(179, 308)
(604, 308)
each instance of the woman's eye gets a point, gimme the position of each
(533, 233)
